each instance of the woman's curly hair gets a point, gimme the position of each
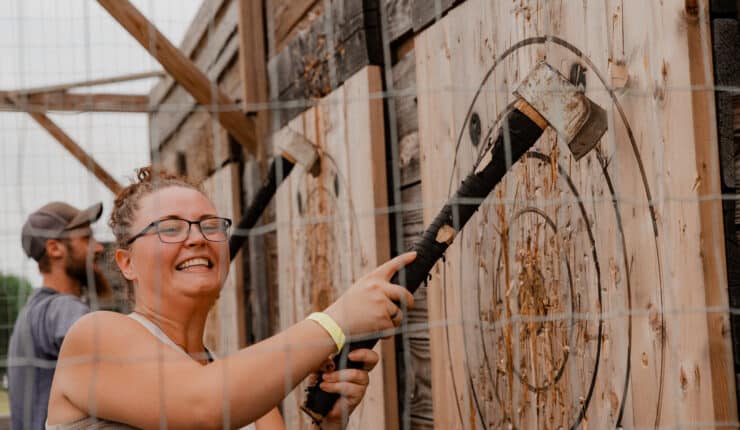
(148, 179)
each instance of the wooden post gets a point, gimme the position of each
(253, 69)
(76, 151)
(253, 66)
(699, 62)
(182, 70)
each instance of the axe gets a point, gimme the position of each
(544, 98)
(295, 150)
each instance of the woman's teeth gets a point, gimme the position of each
(193, 262)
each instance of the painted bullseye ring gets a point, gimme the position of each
(570, 321)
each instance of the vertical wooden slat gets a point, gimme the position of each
(332, 228)
(225, 328)
(253, 66)
(253, 70)
(699, 60)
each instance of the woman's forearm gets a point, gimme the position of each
(257, 378)
(271, 421)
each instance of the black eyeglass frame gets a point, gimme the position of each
(155, 224)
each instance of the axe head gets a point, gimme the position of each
(575, 117)
(300, 150)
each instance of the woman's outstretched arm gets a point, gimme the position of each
(112, 368)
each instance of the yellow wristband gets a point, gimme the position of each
(330, 326)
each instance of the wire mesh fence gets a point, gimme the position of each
(581, 294)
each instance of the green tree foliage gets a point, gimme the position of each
(14, 292)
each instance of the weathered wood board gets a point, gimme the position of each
(585, 294)
(225, 326)
(285, 16)
(341, 41)
(415, 391)
(330, 231)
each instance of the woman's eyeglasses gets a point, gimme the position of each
(175, 230)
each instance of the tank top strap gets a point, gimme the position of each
(162, 336)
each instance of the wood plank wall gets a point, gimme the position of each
(626, 239)
(337, 44)
(301, 70)
(329, 232)
(307, 44)
(304, 65)
(286, 18)
(404, 20)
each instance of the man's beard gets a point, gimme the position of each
(76, 268)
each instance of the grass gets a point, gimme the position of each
(4, 403)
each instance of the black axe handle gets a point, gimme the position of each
(259, 203)
(523, 133)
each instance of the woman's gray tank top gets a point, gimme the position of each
(92, 423)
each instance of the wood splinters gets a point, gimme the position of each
(620, 75)
(446, 234)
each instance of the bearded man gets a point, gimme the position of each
(59, 238)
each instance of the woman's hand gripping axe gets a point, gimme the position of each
(545, 98)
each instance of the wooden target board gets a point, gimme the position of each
(582, 294)
(332, 228)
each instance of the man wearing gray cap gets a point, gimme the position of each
(58, 237)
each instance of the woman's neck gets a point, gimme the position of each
(185, 327)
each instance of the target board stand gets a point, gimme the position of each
(333, 228)
(577, 296)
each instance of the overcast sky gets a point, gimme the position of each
(44, 42)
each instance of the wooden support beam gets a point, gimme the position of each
(216, 51)
(182, 69)
(68, 143)
(83, 157)
(66, 102)
(92, 82)
(196, 32)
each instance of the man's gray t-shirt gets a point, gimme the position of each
(34, 347)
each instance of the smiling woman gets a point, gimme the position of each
(150, 369)
(166, 251)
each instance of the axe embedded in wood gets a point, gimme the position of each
(545, 98)
(296, 150)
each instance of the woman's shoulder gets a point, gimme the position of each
(106, 322)
(104, 330)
